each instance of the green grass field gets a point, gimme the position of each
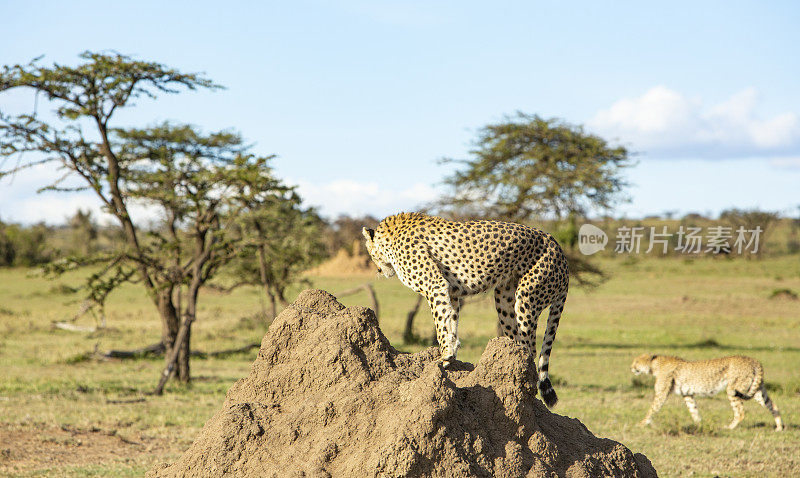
(65, 413)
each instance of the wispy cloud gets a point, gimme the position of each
(346, 196)
(664, 122)
(20, 203)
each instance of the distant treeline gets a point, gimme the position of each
(37, 244)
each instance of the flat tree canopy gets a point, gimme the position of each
(527, 167)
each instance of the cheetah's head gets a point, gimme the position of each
(642, 364)
(376, 249)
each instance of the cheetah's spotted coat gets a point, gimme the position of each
(446, 261)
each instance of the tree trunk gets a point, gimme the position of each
(408, 333)
(181, 350)
(172, 357)
(262, 270)
(170, 321)
(183, 356)
(280, 291)
(272, 304)
(179, 356)
(191, 313)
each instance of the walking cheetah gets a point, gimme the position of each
(446, 261)
(741, 377)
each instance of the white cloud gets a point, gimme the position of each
(52, 208)
(664, 122)
(345, 196)
(20, 203)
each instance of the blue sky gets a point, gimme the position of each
(360, 99)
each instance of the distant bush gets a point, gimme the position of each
(37, 244)
(63, 289)
(24, 246)
(783, 294)
(344, 232)
(750, 219)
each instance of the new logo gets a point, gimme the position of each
(591, 239)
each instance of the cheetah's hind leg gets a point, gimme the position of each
(528, 305)
(763, 399)
(545, 387)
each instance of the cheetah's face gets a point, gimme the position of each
(376, 251)
(641, 364)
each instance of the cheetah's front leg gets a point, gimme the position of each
(662, 389)
(445, 316)
(426, 278)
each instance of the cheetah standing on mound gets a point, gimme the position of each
(742, 377)
(446, 261)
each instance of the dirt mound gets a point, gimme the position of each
(353, 262)
(329, 396)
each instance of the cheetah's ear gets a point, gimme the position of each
(369, 234)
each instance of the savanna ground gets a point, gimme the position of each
(65, 413)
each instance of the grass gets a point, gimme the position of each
(65, 413)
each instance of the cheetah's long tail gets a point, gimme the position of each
(546, 390)
(758, 379)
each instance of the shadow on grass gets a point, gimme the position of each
(702, 344)
(676, 428)
(766, 426)
(697, 429)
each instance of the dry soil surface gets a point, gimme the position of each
(37, 448)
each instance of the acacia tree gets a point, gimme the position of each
(529, 168)
(203, 185)
(282, 239)
(194, 179)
